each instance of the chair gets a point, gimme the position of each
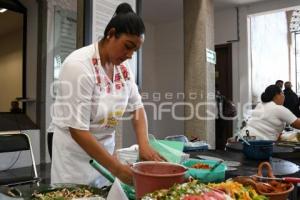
(14, 142)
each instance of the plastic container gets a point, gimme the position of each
(188, 146)
(149, 176)
(128, 155)
(205, 175)
(258, 149)
(195, 146)
(181, 138)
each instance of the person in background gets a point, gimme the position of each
(269, 117)
(15, 107)
(279, 83)
(291, 100)
(95, 88)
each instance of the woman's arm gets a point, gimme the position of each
(90, 145)
(296, 124)
(139, 122)
(286, 116)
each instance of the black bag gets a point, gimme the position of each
(228, 108)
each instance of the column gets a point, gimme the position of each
(199, 75)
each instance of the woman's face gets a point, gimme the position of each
(279, 98)
(121, 48)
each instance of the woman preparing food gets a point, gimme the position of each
(95, 88)
(269, 117)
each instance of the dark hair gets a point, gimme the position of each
(288, 85)
(270, 92)
(125, 20)
(279, 81)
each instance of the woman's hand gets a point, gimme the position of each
(139, 122)
(148, 153)
(125, 174)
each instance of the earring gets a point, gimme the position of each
(107, 37)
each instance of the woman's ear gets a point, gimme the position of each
(111, 33)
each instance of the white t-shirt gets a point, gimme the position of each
(80, 100)
(88, 100)
(268, 121)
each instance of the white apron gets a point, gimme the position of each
(70, 162)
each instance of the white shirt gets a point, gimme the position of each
(88, 100)
(268, 121)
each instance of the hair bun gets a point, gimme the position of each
(270, 92)
(123, 8)
(264, 97)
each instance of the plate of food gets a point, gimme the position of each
(70, 192)
(206, 170)
(195, 190)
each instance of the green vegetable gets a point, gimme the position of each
(178, 191)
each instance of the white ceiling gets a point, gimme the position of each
(221, 4)
(167, 10)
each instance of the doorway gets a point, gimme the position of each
(223, 81)
(12, 57)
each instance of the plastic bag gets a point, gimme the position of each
(170, 154)
(128, 155)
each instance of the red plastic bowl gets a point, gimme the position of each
(150, 176)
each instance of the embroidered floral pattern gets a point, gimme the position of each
(119, 86)
(95, 61)
(107, 84)
(125, 72)
(97, 75)
(118, 83)
(117, 77)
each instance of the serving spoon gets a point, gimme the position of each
(286, 179)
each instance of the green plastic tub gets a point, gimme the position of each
(205, 175)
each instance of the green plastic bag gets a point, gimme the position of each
(170, 150)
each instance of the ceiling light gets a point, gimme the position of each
(2, 10)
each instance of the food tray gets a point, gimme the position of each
(205, 175)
